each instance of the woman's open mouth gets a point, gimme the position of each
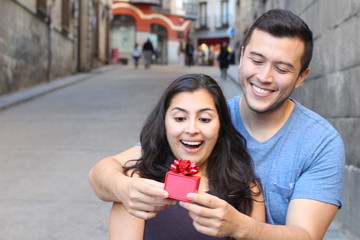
(191, 144)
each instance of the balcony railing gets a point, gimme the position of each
(151, 2)
(203, 23)
(213, 22)
(222, 21)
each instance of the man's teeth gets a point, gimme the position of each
(260, 90)
(191, 143)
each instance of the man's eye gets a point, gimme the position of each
(205, 120)
(281, 70)
(179, 119)
(257, 62)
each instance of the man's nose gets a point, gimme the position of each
(266, 74)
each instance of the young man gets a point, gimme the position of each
(298, 155)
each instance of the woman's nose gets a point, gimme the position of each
(192, 127)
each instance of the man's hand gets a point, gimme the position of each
(144, 198)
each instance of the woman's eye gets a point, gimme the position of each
(205, 120)
(179, 119)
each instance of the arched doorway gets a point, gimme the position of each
(123, 35)
(158, 37)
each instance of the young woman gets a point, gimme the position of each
(191, 121)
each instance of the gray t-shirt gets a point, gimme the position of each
(304, 159)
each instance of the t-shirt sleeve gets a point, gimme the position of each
(323, 178)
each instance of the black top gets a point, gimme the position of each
(173, 223)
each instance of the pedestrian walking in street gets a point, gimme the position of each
(224, 59)
(189, 51)
(298, 155)
(148, 51)
(136, 55)
(181, 54)
(191, 121)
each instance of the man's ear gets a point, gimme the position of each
(302, 78)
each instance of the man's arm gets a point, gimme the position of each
(143, 198)
(306, 220)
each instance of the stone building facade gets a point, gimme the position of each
(331, 89)
(41, 40)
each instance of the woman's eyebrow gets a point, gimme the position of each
(200, 110)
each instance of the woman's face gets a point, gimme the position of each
(192, 126)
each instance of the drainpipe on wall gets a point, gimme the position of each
(49, 21)
(79, 38)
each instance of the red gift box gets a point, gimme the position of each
(178, 185)
(179, 182)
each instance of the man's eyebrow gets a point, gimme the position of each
(278, 62)
(257, 54)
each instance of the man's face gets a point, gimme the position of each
(269, 70)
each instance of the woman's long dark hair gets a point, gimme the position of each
(230, 168)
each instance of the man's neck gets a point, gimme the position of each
(262, 126)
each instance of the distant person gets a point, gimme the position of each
(224, 59)
(181, 54)
(189, 51)
(136, 55)
(211, 57)
(148, 51)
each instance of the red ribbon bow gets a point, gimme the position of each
(185, 167)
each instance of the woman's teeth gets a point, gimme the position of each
(193, 144)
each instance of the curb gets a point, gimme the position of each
(16, 98)
(233, 72)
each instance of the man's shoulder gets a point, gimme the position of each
(233, 101)
(311, 120)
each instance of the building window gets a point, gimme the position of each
(225, 13)
(41, 6)
(65, 16)
(203, 15)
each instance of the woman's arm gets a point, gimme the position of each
(123, 225)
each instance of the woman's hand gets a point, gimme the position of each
(144, 198)
(215, 217)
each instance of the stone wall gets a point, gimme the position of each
(22, 60)
(331, 89)
(31, 52)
